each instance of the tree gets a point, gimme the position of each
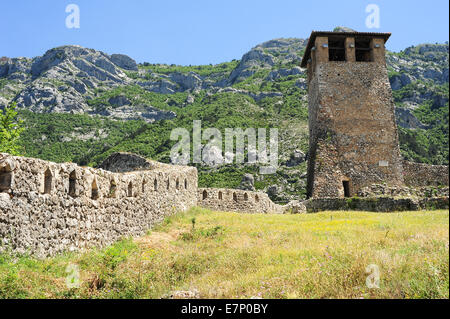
(10, 129)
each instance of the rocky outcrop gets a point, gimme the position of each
(399, 81)
(124, 61)
(42, 97)
(125, 162)
(119, 100)
(406, 119)
(247, 182)
(296, 158)
(189, 81)
(273, 75)
(254, 58)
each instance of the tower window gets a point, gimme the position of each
(362, 50)
(143, 185)
(336, 49)
(72, 183)
(94, 190)
(130, 190)
(204, 195)
(48, 178)
(112, 189)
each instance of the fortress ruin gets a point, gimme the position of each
(353, 139)
(47, 208)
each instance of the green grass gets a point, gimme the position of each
(230, 255)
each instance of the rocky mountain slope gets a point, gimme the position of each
(81, 104)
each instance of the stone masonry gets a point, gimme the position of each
(46, 208)
(353, 133)
(418, 174)
(222, 199)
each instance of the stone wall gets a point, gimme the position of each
(46, 208)
(375, 204)
(417, 174)
(233, 200)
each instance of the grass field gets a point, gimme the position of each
(230, 255)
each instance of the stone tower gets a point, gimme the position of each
(353, 134)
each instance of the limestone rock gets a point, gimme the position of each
(343, 29)
(296, 158)
(247, 182)
(119, 100)
(124, 61)
(125, 162)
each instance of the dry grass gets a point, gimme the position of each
(230, 255)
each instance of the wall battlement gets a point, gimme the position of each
(46, 208)
(236, 200)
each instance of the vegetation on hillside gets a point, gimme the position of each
(429, 146)
(10, 129)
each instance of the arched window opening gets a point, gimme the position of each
(130, 189)
(220, 195)
(235, 197)
(155, 184)
(48, 180)
(177, 183)
(143, 185)
(94, 190)
(5, 179)
(256, 198)
(185, 184)
(72, 183)
(112, 188)
(168, 183)
(205, 195)
(245, 196)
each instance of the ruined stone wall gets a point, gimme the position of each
(46, 208)
(354, 130)
(233, 200)
(417, 174)
(376, 204)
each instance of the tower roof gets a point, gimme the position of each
(314, 34)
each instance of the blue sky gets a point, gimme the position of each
(205, 31)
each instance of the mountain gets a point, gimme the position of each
(81, 105)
